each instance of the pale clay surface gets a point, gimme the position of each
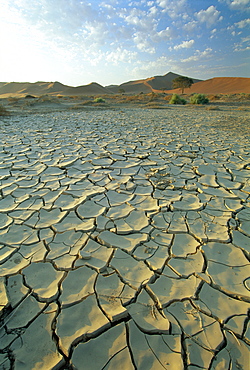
(124, 241)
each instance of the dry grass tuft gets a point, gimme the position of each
(168, 97)
(212, 107)
(82, 104)
(3, 111)
(153, 105)
(242, 108)
(213, 97)
(13, 100)
(47, 99)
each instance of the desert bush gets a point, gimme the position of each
(167, 97)
(176, 99)
(199, 99)
(153, 96)
(213, 97)
(12, 99)
(99, 100)
(3, 111)
(29, 103)
(129, 99)
(244, 96)
(45, 98)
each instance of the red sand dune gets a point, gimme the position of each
(219, 85)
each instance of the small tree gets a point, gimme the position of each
(182, 83)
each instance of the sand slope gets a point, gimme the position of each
(147, 85)
(53, 88)
(219, 85)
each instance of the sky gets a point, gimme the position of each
(111, 42)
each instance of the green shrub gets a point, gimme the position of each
(199, 99)
(99, 100)
(176, 99)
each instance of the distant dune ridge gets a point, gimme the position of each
(147, 85)
(217, 85)
(51, 88)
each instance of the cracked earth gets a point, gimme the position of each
(124, 241)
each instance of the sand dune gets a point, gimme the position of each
(147, 85)
(20, 89)
(92, 88)
(219, 85)
(133, 87)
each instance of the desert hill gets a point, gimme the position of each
(217, 85)
(19, 89)
(156, 83)
(92, 88)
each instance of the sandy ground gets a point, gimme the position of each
(124, 236)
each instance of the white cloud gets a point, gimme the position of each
(242, 45)
(241, 49)
(166, 34)
(213, 33)
(237, 4)
(198, 55)
(173, 8)
(68, 37)
(142, 43)
(120, 55)
(136, 18)
(161, 65)
(153, 11)
(209, 16)
(243, 23)
(139, 19)
(184, 45)
(245, 39)
(190, 26)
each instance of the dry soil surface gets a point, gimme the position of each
(124, 239)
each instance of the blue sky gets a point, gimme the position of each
(110, 42)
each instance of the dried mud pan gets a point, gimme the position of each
(124, 240)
